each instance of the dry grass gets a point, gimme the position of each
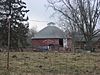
(44, 63)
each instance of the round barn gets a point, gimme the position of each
(50, 37)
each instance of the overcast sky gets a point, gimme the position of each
(39, 12)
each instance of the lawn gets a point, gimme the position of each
(46, 63)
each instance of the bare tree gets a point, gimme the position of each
(83, 14)
(66, 24)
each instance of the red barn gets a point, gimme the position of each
(50, 36)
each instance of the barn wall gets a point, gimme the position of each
(69, 43)
(65, 43)
(45, 42)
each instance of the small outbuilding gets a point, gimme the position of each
(49, 37)
(76, 41)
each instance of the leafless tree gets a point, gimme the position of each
(83, 14)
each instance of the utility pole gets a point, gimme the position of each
(8, 22)
(9, 33)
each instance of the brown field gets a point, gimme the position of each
(46, 63)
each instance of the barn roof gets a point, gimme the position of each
(50, 32)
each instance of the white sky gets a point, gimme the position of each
(38, 11)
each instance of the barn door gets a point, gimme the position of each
(61, 42)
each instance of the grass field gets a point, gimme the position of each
(44, 63)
